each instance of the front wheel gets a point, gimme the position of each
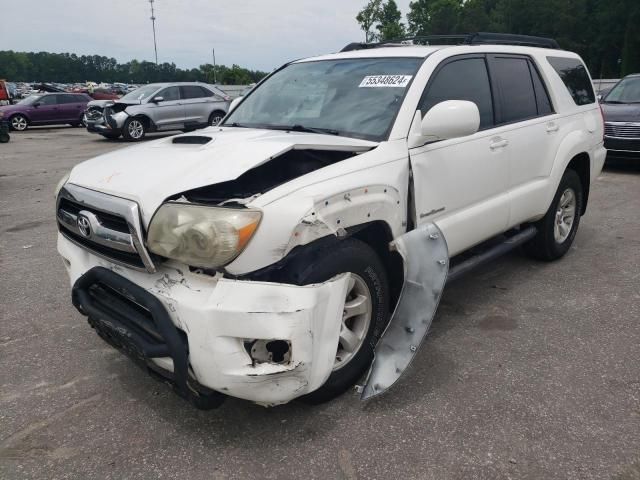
(134, 129)
(19, 122)
(558, 228)
(216, 117)
(365, 314)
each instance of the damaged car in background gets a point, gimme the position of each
(157, 107)
(307, 238)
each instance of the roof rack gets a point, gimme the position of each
(480, 38)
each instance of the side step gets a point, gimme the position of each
(491, 253)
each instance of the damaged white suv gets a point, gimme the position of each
(307, 239)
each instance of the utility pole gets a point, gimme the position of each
(153, 23)
(213, 50)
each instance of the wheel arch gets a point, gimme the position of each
(581, 164)
(25, 115)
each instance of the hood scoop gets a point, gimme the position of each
(191, 140)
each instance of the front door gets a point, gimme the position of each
(462, 184)
(168, 114)
(45, 109)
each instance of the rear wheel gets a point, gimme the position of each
(216, 117)
(134, 129)
(19, 122)
(365, 314)
(558, 228)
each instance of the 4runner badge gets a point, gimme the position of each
(84, 226)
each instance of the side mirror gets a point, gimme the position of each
(37, 104)
(157, 99)
(450, 119)
(234, 103)
(599, 97)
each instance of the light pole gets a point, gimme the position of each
(213, 51)
(153, 23)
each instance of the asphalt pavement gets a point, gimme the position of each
(531, 370)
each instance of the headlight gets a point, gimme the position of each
(201, 236)
(61, 183)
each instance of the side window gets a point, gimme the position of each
(542, 96)
(193, 91)
(464, 79)
(513, 82)
(206, 92)
(575, 77)
(49, 100)
(68, 99)
(169, 94)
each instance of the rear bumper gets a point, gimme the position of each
(217, 320)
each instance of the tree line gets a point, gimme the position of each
(605, 33)
(70, 68)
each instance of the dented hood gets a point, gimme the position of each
(151, 172)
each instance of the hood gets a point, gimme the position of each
(151, 172)
(621, 112)
(12, 108)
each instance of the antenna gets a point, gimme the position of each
(153, 23)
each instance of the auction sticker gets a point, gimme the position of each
(381, 81)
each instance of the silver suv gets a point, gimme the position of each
(157, 107)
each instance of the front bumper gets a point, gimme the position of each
(218, 318)
(622, 147)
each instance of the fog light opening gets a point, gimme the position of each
(269, 351)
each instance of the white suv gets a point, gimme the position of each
(307, 239)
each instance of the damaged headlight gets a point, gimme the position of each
(201, 236)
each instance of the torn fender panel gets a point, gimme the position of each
(426, 264)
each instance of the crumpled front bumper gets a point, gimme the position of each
(221, 316)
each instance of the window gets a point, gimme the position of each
(169, 94)
(542, 96)
(194, 91)
(575, 77)
(513, 82)
(465, 79)
(70, 99)
(48, 100)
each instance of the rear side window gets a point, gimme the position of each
(194, 91)
(575, 77)
(513, 81)
(464, 79)
(542, 96)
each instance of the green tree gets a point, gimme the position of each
(433, 17)
(390, 26)
(368, 17)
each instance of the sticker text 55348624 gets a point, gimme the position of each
(396, 81)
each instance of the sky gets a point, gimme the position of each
(256, 34)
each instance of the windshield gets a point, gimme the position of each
(141, 93)
(29, 100)
(627, 91)
(351, 97)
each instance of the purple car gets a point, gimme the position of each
(47, 109)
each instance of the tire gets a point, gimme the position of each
(134, 129)
(215, 117)
(558, 228)
(19, 122)
(369, 279)
(110, 136)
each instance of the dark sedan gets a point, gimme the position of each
(621, 107)
(47, 109)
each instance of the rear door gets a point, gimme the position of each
(531, 128)
(197, 104)
(462, 184)
(71, 107)
(168, 114)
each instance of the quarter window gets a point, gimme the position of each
(464, 79)
(542, 97)
(575, 77)
(194, 91)
(513, 80)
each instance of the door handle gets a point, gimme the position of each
(552, 127)
(498, 143)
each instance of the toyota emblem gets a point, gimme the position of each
(84, 226)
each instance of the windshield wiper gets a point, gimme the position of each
(302, 128)
(235, 124)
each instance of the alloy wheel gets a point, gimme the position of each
(19, 123)
(356, 319)
(565, 215)
(135, 129)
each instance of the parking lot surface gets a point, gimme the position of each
(531, 370)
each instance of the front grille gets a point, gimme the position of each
(94, 114)
(622, 130)
(131, 259)
(109, 220)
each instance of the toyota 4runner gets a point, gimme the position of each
(307, 238)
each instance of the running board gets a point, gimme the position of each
(491, 254)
